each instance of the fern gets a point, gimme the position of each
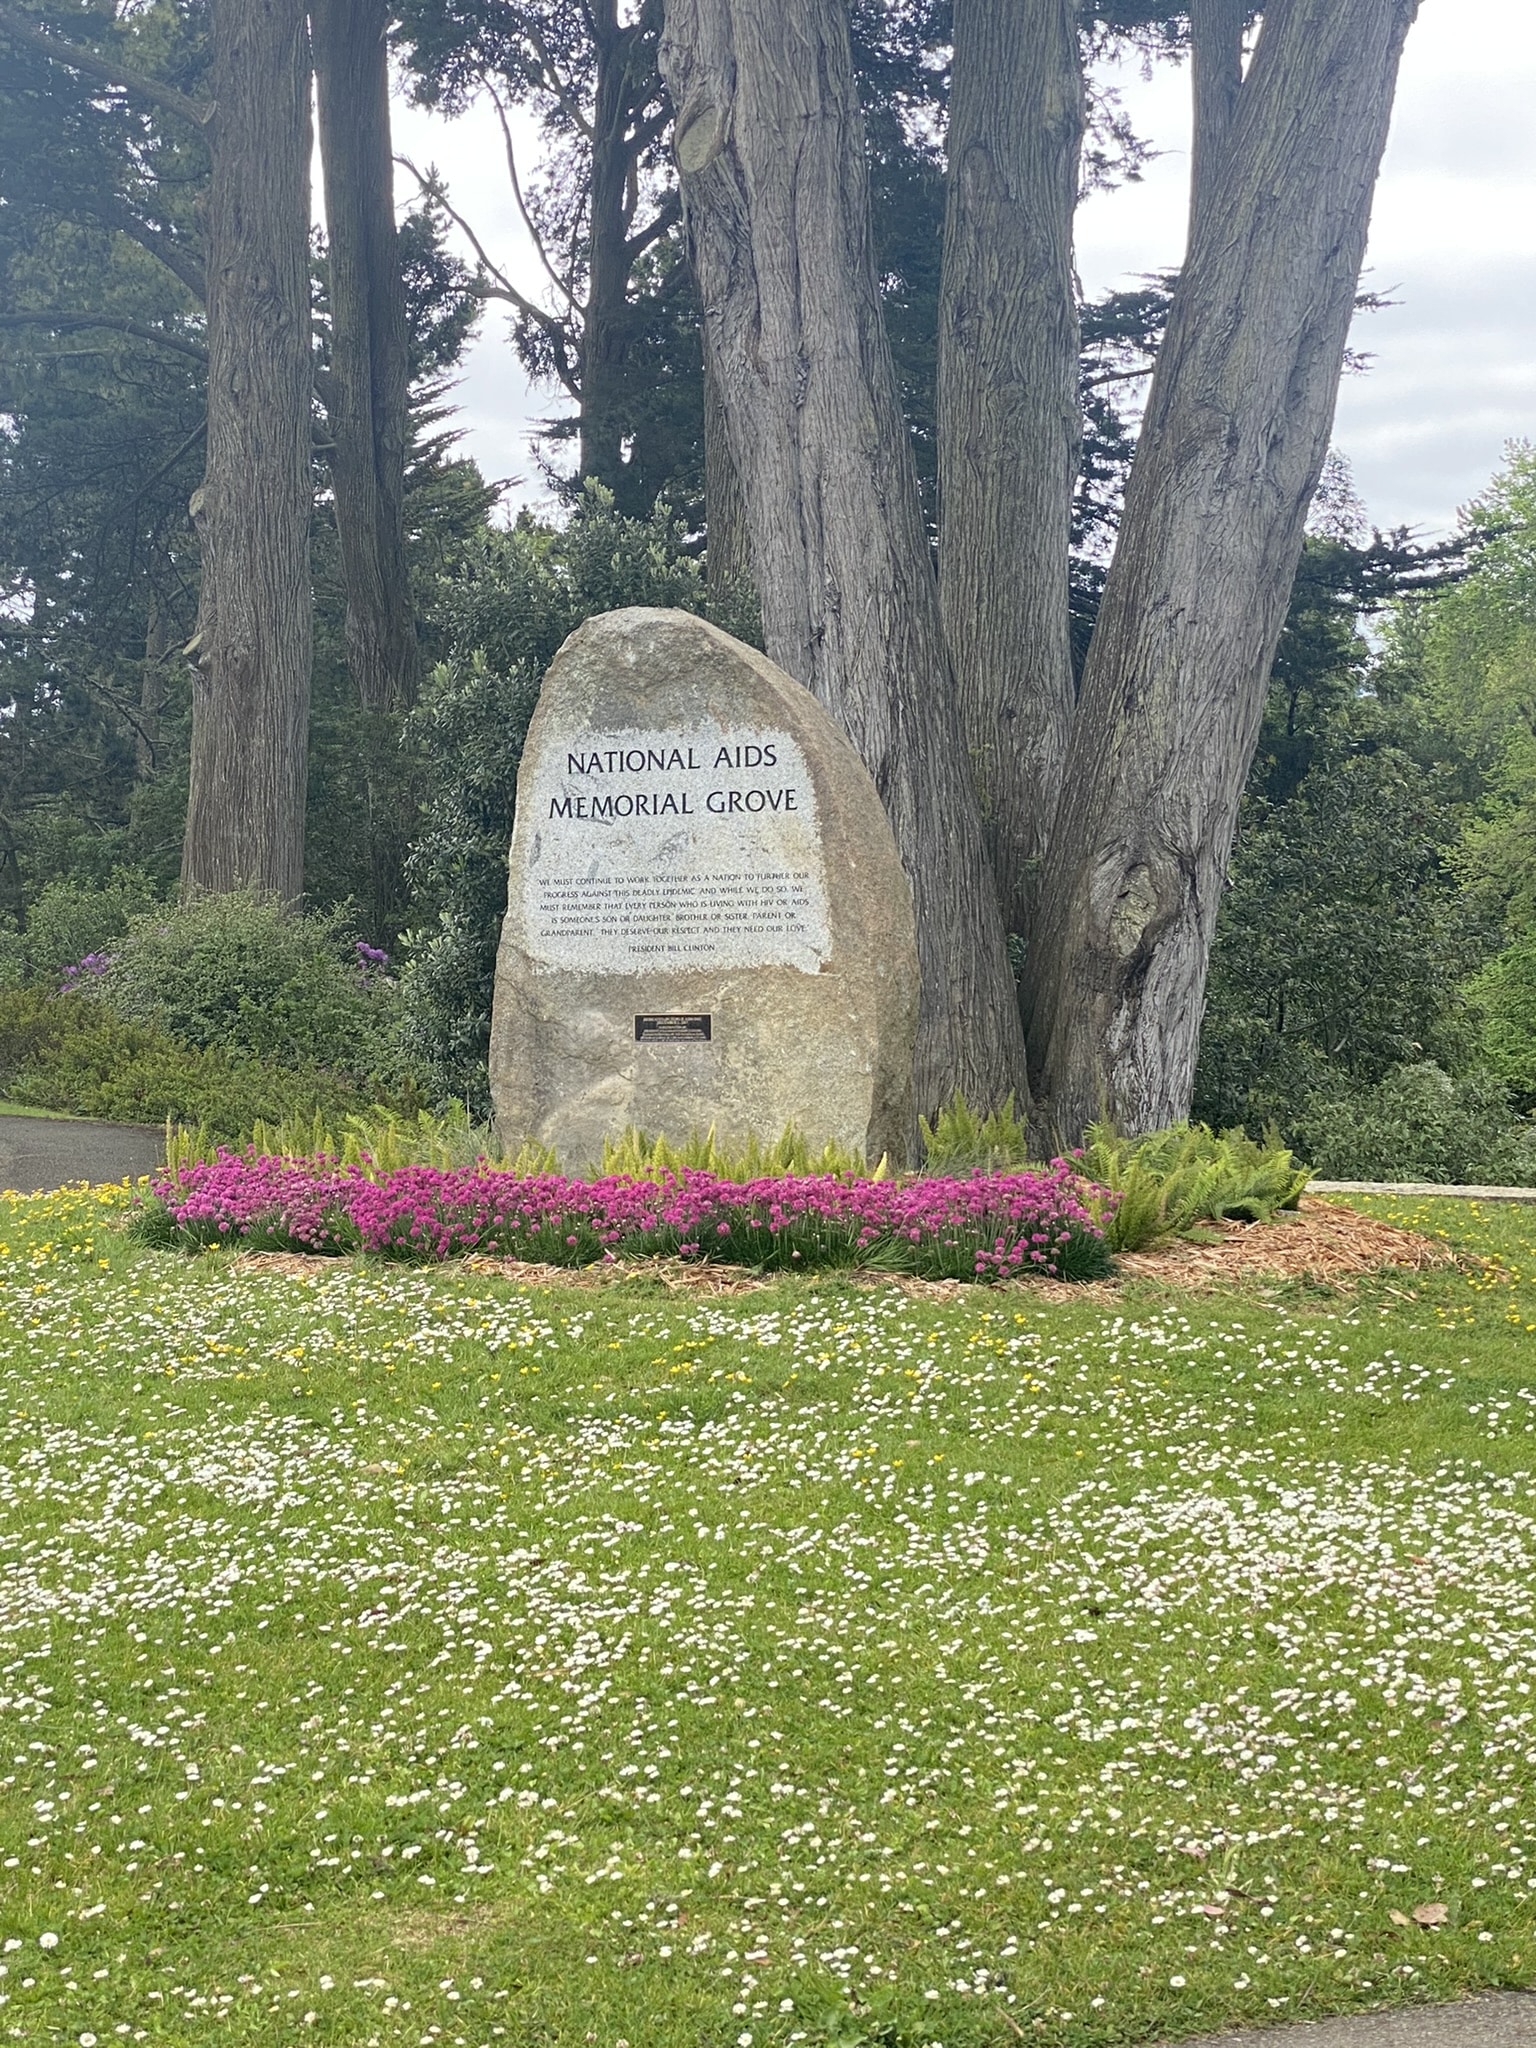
(647, 1158)
(378, 1140)
(959, 1141)
(1170, 1181)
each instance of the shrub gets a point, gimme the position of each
(1503, 998)
(71, 1052)
(239, 974)
(1418, 1123)
(1339, 952)
(1169, 1181)
(69, 922)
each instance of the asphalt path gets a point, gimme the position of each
(1504, 2019)
(38, 1153)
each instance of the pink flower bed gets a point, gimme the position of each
(988, 1227)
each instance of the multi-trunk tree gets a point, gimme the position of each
(1109, 817)
(770, 152)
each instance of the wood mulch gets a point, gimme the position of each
(1323, 1241)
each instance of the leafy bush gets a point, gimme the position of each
(1339, 952)
(470, 725)
(1503, 998)
(1171, 1180)
(239, 974)
(71, 1052)
(959, 1141)
(1418, 1123)
(69, 922)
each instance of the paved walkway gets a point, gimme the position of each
(1419, 1187)
(40, 1152)
(1505, 2019)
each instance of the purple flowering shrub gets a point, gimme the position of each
(985, 1227)
(84, 973)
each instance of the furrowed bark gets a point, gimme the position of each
(250, 685)
(1009, 420)
(146, 736)
(367, 389)
(608, 259)
(1236, 430)
(771, 158)
(727, 552)
(1216, 71)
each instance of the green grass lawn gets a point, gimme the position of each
(393, 1656)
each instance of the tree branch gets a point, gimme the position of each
(74, 323)
(89, 65)
(517, 193)
(180, 263)
(668, 214)
(557, 85)
(503, 287)
(1216, 69)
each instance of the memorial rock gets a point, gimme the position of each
(707, 919)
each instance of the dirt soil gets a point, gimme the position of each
(1323, 1241)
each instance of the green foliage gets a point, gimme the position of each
(69, 920)
(637, 1152)
(1478, 653)
(70, 1052)
(1420, 1123)
(1340, 951)
(377, 1138)
(1503, 998)
(240, 974)
(469, 727)
(959, 1141)
(1172, 1180)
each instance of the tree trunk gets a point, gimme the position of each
(1009, 417)
(770, 149)
(250, 686)
(146, 734)
(608, 258)
(727, 551)
(1235, 434)
(1216, 75)
(367, 390)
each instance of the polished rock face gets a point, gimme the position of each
(707, 919)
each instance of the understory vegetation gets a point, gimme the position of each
(396, 1654)
(1373, 985)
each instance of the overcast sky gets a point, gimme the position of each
(1453, 242)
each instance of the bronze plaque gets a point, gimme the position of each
(692, 1028)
